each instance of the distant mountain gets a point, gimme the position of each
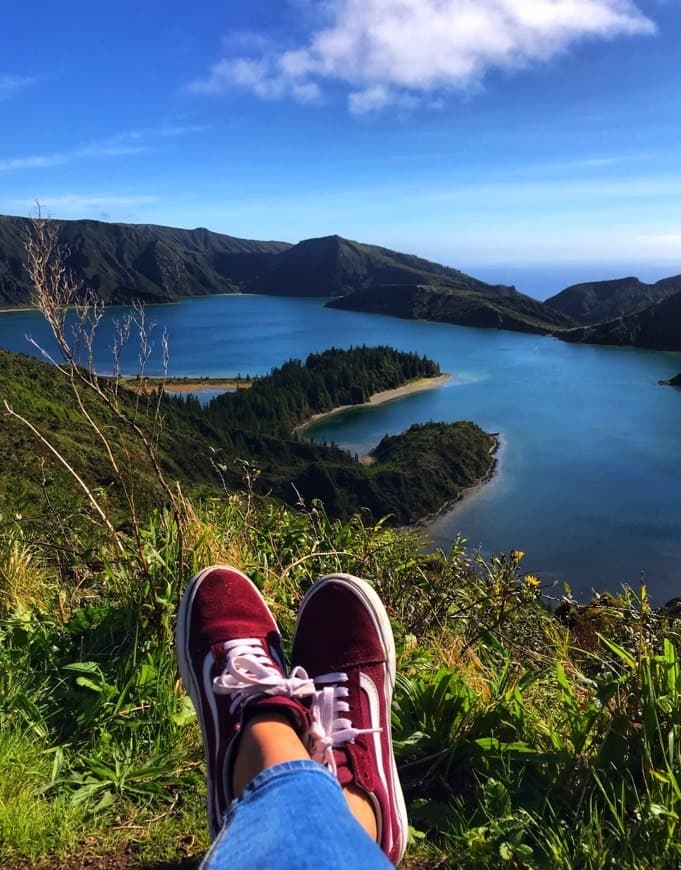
(657, 327)
(334, 266)
(599, 301)
(474, 304)
(122, 262)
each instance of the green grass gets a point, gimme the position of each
(514, 745)
(523, 737)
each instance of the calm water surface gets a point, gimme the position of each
(589, 480)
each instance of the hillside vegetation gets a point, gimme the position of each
(204, 449)
(121, 263)
(657, 327)
(126, 262)
(599, 301)
(454, 302)
(522, 739)
(523, 736)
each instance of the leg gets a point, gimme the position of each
(268, 740)
(294, 817)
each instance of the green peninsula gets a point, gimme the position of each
(204, 448)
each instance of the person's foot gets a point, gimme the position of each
(344, 641)
(231, 661)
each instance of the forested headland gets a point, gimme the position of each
(290, 395)
(258, 424)
(204, 448)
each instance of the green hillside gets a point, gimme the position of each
(125, 262)
(599, 301)
(523, 737)
(204, 449)
(457, 303)
(334, 266)
(657, 327)
(529, 732)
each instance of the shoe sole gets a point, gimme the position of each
(191, 684)
(379, 616)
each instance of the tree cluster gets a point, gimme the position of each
(290, 395)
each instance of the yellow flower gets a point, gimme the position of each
(516, 556)
(531, 580)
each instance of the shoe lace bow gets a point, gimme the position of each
(250, 673)
(330, 729)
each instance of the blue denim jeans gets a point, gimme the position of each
(293, 816)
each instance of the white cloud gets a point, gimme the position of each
(386, 50)
(121, 145)
(10, 85)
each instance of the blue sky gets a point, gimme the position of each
(488, 134)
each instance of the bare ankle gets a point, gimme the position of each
(362, 809)
(267, 739)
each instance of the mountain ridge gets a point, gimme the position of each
(124, 262)
(657, 327)
(592, 302)
(458, 305)
(152, 263)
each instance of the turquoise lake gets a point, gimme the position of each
(589, 473)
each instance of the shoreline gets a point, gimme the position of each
(190, 385)
(381, 398)
(469, 491)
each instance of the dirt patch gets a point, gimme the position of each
(125, 859)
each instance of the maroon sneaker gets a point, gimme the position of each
(230, 658)
(344, 641)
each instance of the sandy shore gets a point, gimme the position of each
(380, 398)
(195, 385)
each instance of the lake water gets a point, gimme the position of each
(589, 478)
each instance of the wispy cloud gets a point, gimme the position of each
(78, 202)
(389, 51)
(76, 205)
(595, 162)
(11, 84)
(120, 145)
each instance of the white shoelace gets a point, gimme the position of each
(330, 729)
(249, 674)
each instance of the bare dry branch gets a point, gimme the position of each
(93, 501)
